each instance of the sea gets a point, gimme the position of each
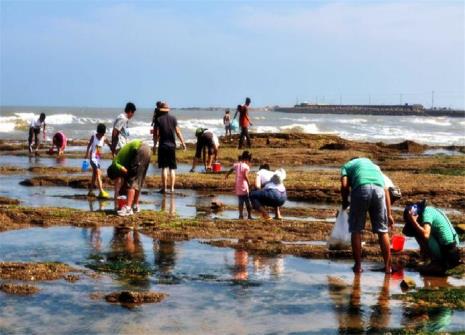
(79, 123)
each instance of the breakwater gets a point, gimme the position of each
(415, 110)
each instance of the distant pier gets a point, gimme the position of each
(416, 110)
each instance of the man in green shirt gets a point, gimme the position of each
(128, 170)
(364, 181)
(434, 233)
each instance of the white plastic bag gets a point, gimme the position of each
(340, 236)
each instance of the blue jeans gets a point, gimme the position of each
(268, 197)
(368, 198)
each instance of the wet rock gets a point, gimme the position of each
(71, 278)
(19, 289)
(335, 146)
(129, 298)
(457, 272)
(33, 271)
(439, 297)
(407, 283)
(8, 201)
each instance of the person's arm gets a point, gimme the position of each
(235, 114)
(88, 147)
(44, 132)
(204, 157)
(179, 135)
(388, 208)
(229, 172)
(258, 182)
(114, 139)
(246, 178)
(424, 231)
(117, 188)
(345, 191)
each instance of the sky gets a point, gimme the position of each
(215, 53)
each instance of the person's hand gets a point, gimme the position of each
(124, 170)
(412, 217)
(390, 220)
(345, 204)
(184, 147)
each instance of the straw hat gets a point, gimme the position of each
(164, 107)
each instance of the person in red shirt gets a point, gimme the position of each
(244, 122)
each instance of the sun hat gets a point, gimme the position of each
(164, 108)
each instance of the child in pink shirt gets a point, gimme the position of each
(242, 183)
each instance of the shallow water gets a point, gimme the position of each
(41, 161)
(211, 290)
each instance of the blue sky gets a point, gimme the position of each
(215, 53)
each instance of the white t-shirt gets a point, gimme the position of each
(387, 182)
(265, 176)
(36, 123)
(96, 147)
(121, 124)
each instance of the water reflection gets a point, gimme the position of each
(422, 319)
(125, 257)
(168, 205)
(349, 309)
(97, 204)
(165, 260)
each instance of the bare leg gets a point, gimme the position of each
(356, 239)
(136, 197)
(241, 209)
(99, 180)
(278, 213)
(383, 239)
(131, 193)
(94, 177)
(172, 178)
(249, 209)
(164, 177)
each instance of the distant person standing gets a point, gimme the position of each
(164, 132)
(156, 114)
(244, 122)
(120, 134)
(34, 132)
(227, 124)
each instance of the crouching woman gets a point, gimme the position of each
(435, 234)
(270, 191)
(128, 171)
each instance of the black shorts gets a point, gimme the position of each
(167, 157)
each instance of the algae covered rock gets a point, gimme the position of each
(130, 298)
(18, 289)
(408, 283)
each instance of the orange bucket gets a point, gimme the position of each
(122, 201)
(216, 167)
(398, 242)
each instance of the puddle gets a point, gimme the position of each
(42, 161)
(211, 290)
(445, 152)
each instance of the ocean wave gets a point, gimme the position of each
(351, 121)
(7, 127)
(437, 121)
(302, 128)
(266, 129)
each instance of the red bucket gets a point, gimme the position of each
(122, 201)
(398, 242)
(216, 167)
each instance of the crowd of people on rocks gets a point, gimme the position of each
(364, 188)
